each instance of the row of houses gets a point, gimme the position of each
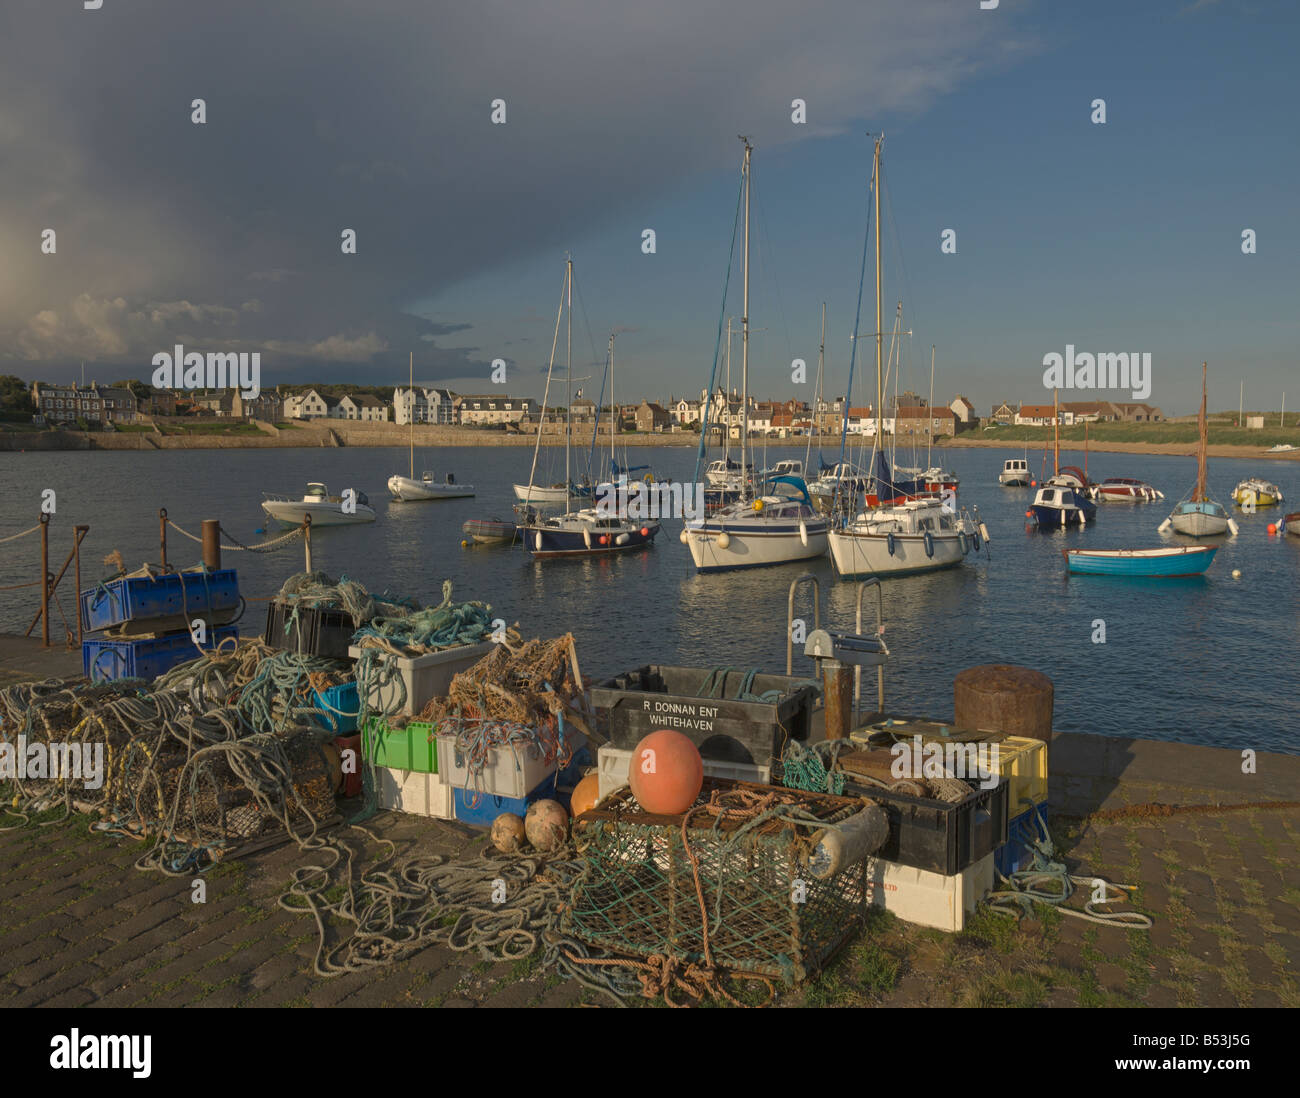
(1072, 412)
(907, 414)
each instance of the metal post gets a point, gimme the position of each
(789, 617)
(45, 579)
(306, 538)
(874, 581)
(211, 544)
(162, 537)
(78, 532)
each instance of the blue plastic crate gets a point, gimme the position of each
(1016, 853)
(144, 657)
(143, 598)
(480, 809)
(340, 707)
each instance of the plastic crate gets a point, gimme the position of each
(929, 899)
(339, 707)
(104, 659)
(936, 836)
(507, 773)
(480, 809)
(316, 631)
(414, 792)
(406, 748)
(638, 702)
(141, 600)
(615, 762)
(1016, 853)
(1022, 761)
(424, 677)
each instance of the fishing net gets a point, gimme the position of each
(319, 591)
(722, 891)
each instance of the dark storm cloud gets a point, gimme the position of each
(326, 116)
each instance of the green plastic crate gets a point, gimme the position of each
(406, 748)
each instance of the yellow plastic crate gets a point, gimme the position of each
(1022, 761)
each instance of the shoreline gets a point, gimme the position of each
(344, 434)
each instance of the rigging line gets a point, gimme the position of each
(594, 360)
(541, 418)
(717, 345)
(857, 318)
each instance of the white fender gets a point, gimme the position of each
(1083, 517)
(586, 538)
(1232, 526)
(683, 538)
(803, 533)
(724, 540)
(1165, 526)
(621, 539)
(537, 541)
(984, 532)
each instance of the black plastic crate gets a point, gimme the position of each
(943, 838)
(636, 703)
(315, 632)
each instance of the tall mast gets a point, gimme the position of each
(1202, 426)
(817, 397)
(613, 407)
(744, 331)
(726, 405)
(568, 338)
(930, 444)
(1056, 435)
(880, 335)
(412, 395)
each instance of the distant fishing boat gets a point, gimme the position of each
(1015, 473)
(1255, 491)
(493, 531)
(325, 510)
(1200, 516)
(407, 489)
(1180, 560)
(1126, 490)
(1063, 498)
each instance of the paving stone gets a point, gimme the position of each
(78, 976)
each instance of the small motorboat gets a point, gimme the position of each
(1180, 560)
(1126, 490)
(1063, 500)
(407, 489)
(1282, 448)
(325, 510)
(1257, 492)
(493, 531)
(1015, 473)
(1291, 524)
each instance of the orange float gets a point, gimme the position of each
(586, 794)
(666, 773)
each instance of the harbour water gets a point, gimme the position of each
(1212, 660)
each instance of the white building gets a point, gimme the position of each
(362, 407)
(308, 405)
(425, 405)
(481, 410)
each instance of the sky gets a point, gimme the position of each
(1124, 236)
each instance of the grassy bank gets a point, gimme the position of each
(1221, 433)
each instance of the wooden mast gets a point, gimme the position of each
(1202, 426)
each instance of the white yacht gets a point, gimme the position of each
(775, 528)
(917, 536)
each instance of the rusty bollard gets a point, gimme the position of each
(1005, 698)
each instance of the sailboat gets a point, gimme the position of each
(1200, 516)
(1063, 498)
(779, 524)
(906, 535)
(566, 491)
(407, 488)
(594, 531)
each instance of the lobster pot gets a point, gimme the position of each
(636, 895)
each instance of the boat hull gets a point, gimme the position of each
(538, 494)
(1200, 521)
(1013, 480)
(543, 542)
(1189, 560)
(751, 547)
(860, 556)
(408, 490)
(1052, 518)
(1291, 523)
(489, 531)
(322, 514)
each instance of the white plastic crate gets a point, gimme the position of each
(415, 792)
(925, 898)
(425, 677)
(615, 762)
(507, 773)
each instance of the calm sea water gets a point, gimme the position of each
(1212, 660)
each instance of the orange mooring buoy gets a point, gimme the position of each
(667, 773)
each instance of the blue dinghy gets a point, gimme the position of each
(1181, 560)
